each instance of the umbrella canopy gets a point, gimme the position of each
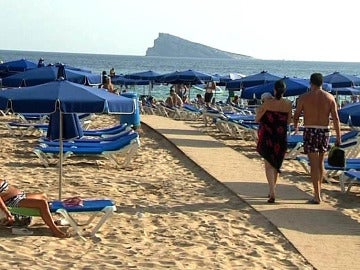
(346, 91)
(12, 67)
(145, 75)
(66, 97)
(71, 126)
(350, 114)
(338, 79)
(121, 80)
(185, 77)
(224, 79)
(252, 80)
(50, 73)
(294, 87)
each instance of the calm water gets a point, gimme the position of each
(128, 64)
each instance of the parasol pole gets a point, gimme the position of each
(61, 154)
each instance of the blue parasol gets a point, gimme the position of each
(294, 87)
(65, 97)
(338, 79)
(50, 73)
(252, 80)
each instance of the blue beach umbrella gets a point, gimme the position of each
(294, 87)
(190, 77)
(350, 114)
(50, 73)
(150, 76)
(16, 66)
(252, 80)
(144, 75)
(122, 80)
(65, 97)
(346, 91)
(338, 79)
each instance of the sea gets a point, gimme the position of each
(126, 64)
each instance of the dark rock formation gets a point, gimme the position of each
(171, 46)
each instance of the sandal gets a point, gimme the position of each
(313, 201)
(271, 200)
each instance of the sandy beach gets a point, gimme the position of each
(170, 213)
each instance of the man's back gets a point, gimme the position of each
(317, 105)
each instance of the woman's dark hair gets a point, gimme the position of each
(280, 88)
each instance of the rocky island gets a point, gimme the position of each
(167, 45)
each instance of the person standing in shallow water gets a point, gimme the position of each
(273, 115)
(316, 107)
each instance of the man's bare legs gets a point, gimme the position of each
(316, 173)
(39, 201)
(271, 176)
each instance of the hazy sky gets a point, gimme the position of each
(316, 30)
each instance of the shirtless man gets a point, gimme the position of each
(316, 106)
(173, 100)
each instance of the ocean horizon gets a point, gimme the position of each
(126, 64)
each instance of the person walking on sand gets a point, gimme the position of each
(317, 106)
(274, 115)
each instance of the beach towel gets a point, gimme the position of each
(272, 134)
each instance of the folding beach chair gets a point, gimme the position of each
(22, 129)
(349, 178)
(331, 171)
(126, 145)
(94, 207)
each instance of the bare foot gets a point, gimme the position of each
(61, 234)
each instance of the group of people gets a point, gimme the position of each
(274, 116)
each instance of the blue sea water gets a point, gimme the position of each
(126, 64)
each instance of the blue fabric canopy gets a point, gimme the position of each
(185, 77)
(350, 114)
(18, 65)
(69, 97)
(346, 91)
(13, 67)
(294, 87)
(145, 75)
(65, 97)
(50, 73)
(71, 126)
(252, 80)
(338, 79)
(121, 80)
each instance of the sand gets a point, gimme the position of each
(170, 213)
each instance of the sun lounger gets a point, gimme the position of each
(331, 171)
(349, 178)
(22, 129)
(89, 206)
(126, 145)
(91, 141)
(106, 131)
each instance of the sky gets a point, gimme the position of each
(304, 30)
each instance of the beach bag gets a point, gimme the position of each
(336, 157)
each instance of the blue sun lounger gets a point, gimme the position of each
(349, 178)
(84, 141)
(89, 206)
(106, 131)
(126, 145)
(331, 171)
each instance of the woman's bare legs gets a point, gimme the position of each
(39, 201)
(271, 176)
